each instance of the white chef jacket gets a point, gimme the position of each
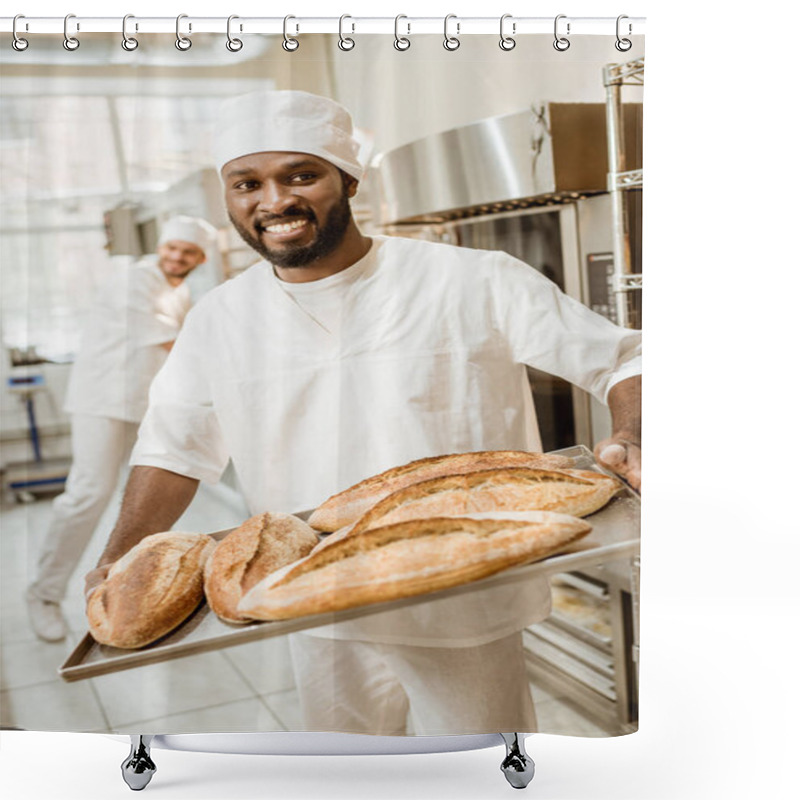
(427, 357)
(135, 312)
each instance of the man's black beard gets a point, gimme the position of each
(327, 240)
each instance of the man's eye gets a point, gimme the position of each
(244, 185)
(303, 177)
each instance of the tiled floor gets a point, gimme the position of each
(246, 688)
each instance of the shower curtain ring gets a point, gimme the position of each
(507, 42)
(401, 42)
(129, 43)
(561, 43)
(290, 44)
(451, 42)
(623, 45)
(233, 44)
(18, 43)
(70, 42)
(182, 42)
(345, 42)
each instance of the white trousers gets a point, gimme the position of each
(100, 447)
(371, 688)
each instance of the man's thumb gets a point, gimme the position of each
(614, 455)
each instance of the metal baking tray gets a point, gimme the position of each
(615, 535)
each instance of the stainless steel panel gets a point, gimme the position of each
(549, 153)
(584, 634)
(598, 660)
(593, 588)
(480, 163)
(570, 666)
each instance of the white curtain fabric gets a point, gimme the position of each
(89, 134)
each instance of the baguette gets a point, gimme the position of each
(408, 559)
(258, 547)
(347, 506)
(441, 497)
(151, 590)
(574, 492)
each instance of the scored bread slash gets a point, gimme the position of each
(258, 547)
(408, 559)
(346, 507)
(151, 590)
(572, 492)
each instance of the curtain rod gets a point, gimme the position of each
(298, 25)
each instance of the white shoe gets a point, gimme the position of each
(46, 619)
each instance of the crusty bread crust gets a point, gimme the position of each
(256, 548)
(347, 506)
(517, 489)
(407, 559)
(151, 590)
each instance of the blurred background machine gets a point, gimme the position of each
(25, 480)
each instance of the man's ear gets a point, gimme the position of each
(350, 183)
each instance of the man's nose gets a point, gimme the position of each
(275, 198)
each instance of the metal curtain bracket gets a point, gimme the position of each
(623, 45)
(561, 43)
(451, 42)
(345, 42)
(507, 42)
(401, 42)
(234, 45)
(129, 43)
(70, 42)
(290, 44)
(18, 43)
(182, 42)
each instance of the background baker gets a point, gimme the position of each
(340, 356)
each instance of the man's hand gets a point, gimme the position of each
(154, 499)
(623, 457)
(94, 578)
(622, 452)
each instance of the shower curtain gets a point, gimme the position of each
(285, 388)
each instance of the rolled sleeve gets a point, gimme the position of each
(550, 331)
(628, 367)
(146, 326)
(180, 431)
(131, 301)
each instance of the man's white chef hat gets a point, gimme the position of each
(286, 121)
(189, 229)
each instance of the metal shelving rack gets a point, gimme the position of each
(625, 281)
(620, 182)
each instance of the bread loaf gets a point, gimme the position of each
(407, 559)
(151, 590)
(256, 548)
(347, 506)
(571, 492)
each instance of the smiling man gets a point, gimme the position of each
(128, 332)
(340, 356)
(305, 233)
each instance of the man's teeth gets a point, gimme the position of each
(285, 227)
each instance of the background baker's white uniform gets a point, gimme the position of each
(135, 312)
(419, 349)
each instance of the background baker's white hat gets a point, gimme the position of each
(286, 121)
(189, 229)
